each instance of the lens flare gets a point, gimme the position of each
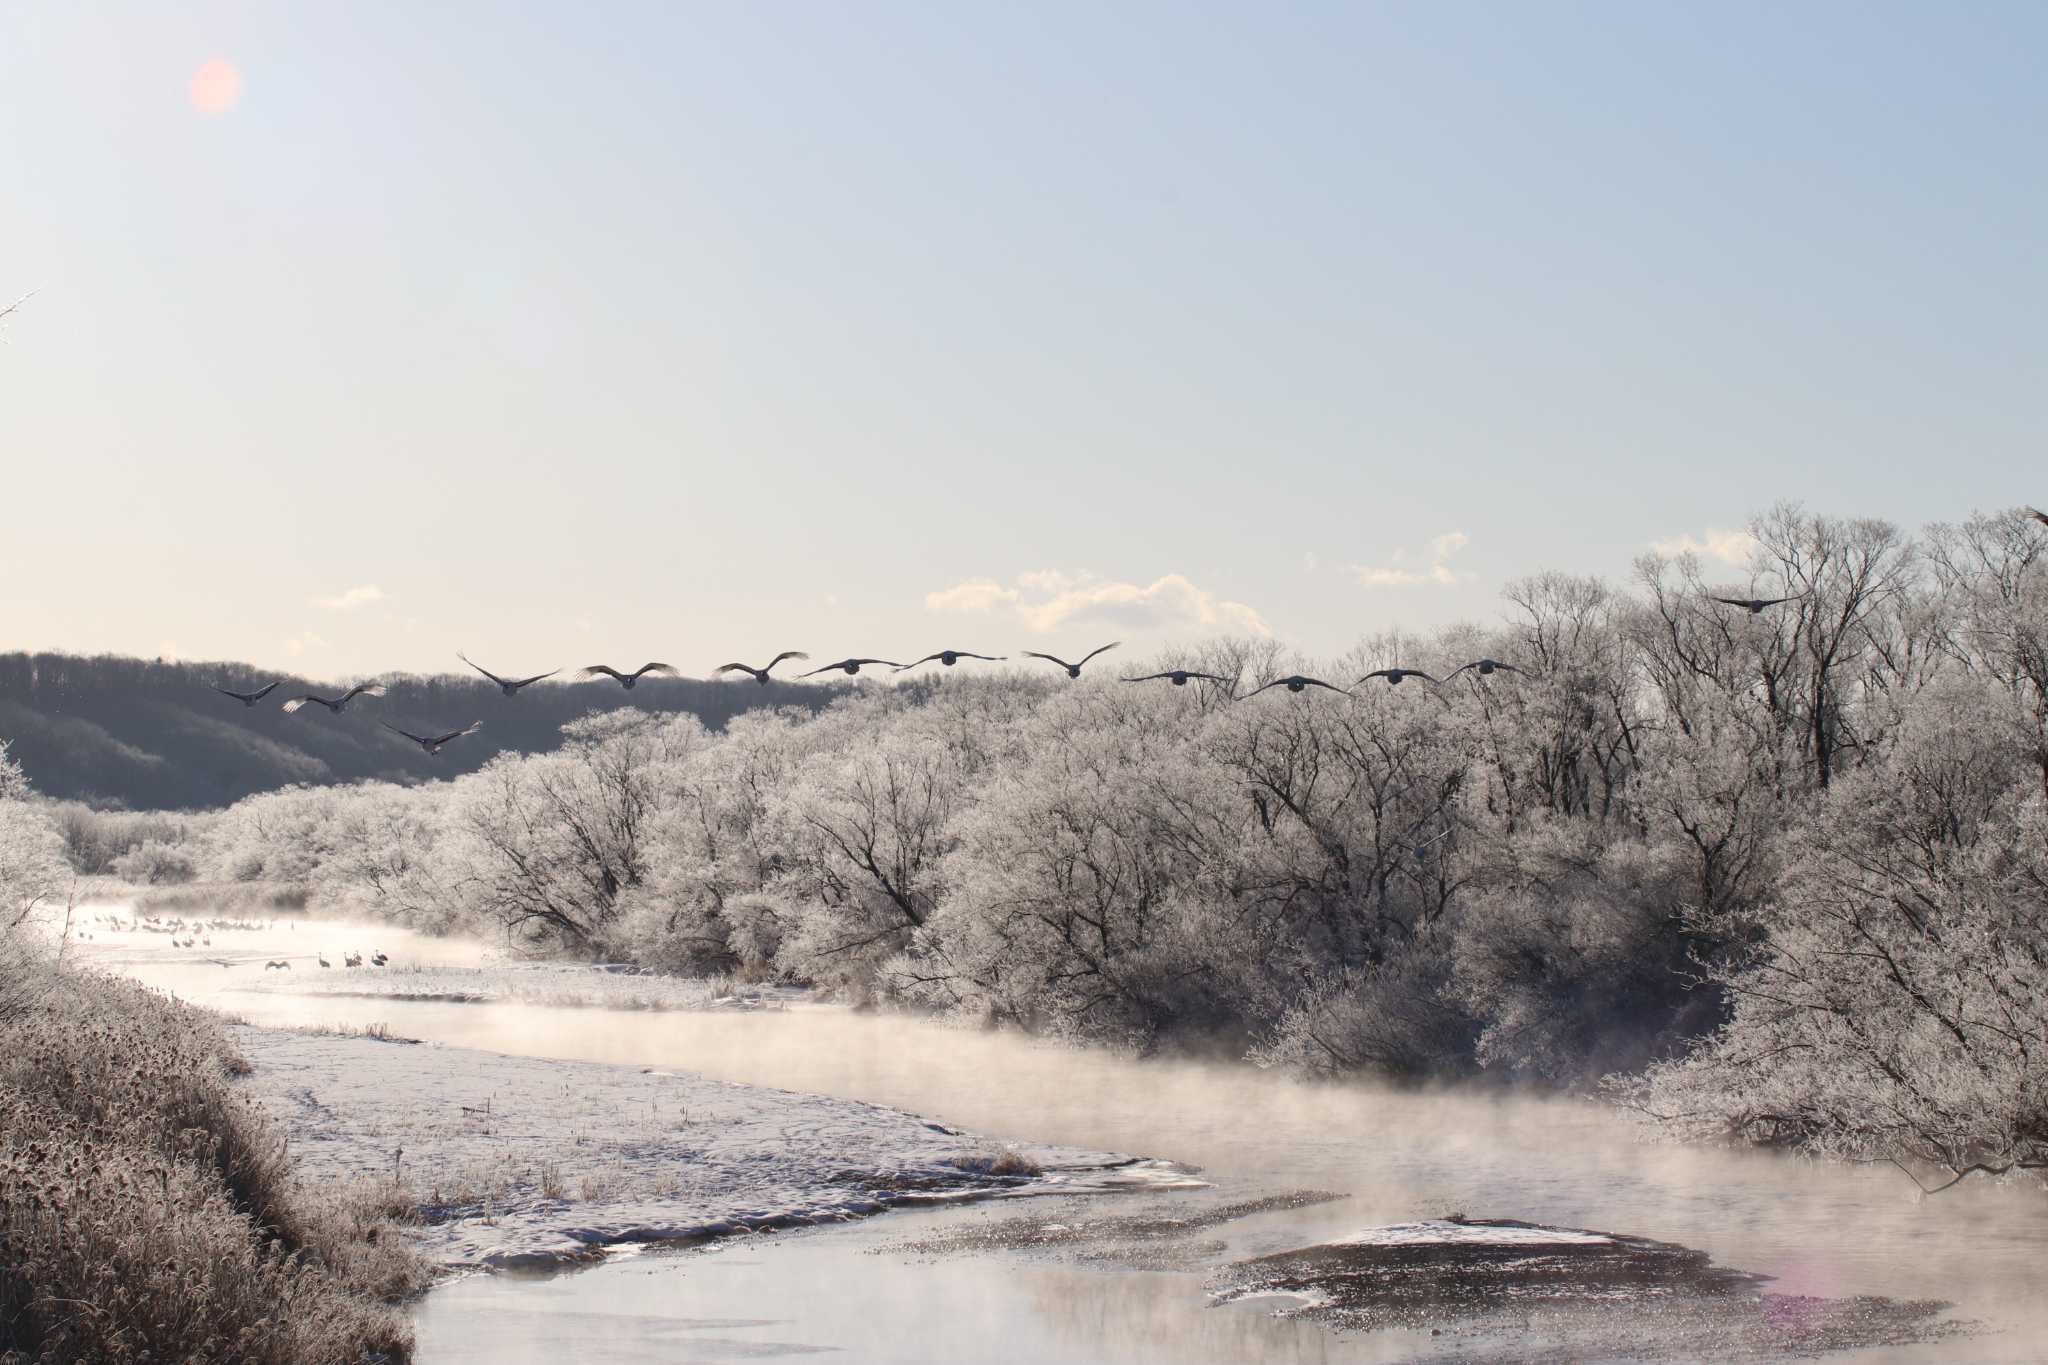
(216, 86)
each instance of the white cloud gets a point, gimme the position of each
(1047, 599)
(305, 640)
(1730, 547)
(1438, 572)
(976, 594)
(1406, 578)
(1051, 580)
(360, 596)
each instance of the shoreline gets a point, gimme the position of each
(529, 1163)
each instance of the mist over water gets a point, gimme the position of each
(1825, 1230)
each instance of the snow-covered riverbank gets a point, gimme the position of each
(556, 984)
(527, 1161)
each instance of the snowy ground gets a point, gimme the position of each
(1444, 1232)
(529, 1161)
(553, 984)
(525, 1161)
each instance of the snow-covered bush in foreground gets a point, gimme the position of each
(146, 1212)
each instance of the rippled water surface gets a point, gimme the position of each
(1822, 1230)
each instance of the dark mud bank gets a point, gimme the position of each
(1566, 1294)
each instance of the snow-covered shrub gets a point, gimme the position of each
(153, 863)
(146, 1210)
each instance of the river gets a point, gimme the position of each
(852, 1291)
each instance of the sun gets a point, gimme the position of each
(216, 86)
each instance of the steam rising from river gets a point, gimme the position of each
(1398, 1155)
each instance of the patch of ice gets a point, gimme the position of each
(1443, 1232)
(1300, 1300)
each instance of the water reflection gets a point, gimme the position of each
(823, 1293)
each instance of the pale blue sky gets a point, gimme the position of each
(696, 332)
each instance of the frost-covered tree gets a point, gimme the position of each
(712, 899)
(1891, 1006)
(13, 782)
(1991, 574)
(868, 831)
(555, 845)
(33, 873)
(1076, 898)
(32, 866)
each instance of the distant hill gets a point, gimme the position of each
(154, 735)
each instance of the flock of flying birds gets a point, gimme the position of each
(433, 744)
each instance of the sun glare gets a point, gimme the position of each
(216, 86)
